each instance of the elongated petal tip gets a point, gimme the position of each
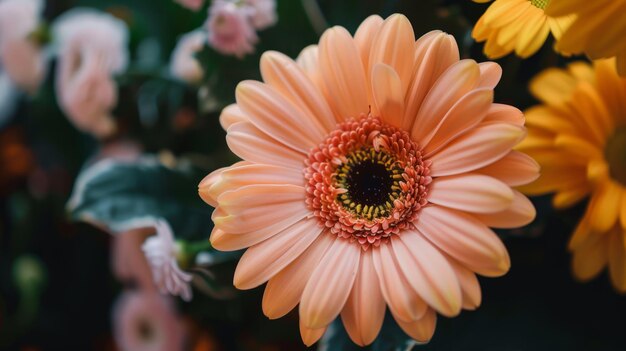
(205, 185)
(311, 336)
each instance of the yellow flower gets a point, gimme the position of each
(578, 135)
(517, 25)
(599, 30)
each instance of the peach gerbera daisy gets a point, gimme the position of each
(578, 135)
(517, 25)
(599, 30)
(372, 169)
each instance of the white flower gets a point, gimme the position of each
(19, 18)
(92, 47)
(161, 250)
(145, 321)
(93, 32)
(263, 12)
(183, 64)
(21, 58)
(229, 28)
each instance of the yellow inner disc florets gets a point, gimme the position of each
(540, 3)
(368, 180)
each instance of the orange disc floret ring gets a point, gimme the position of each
(366, 181)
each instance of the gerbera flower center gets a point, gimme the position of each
(370, 179)
(366, 181)
(540, 3)
(615, 154)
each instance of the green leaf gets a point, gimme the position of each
(119, 195)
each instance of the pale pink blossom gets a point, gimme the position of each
(127, 260)
(230, 31)
(183, 64)
(91, 31)
(193, 5)
(161, 251)
(92, 47)
(146, 321)
(21, 58)
(262, 12)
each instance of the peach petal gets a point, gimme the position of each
(388, 95)
(476, 148)
(470, 287)
(240, 240)
(364, 312)
(206, 183)
(472, 193)
(254, 207)
(230, 115)
(462, 116)
(365, 34)
(514, 169)
(421, 330)
(311, 336)
(245, 140)
(244, 173)
(504, 113)
(262, 261)
(466, 239)
(490, 74)
(403, 301)
(278, 117)
(230, 242)
(428, 272)
(308, 60)
(343, 73)
(435, 53)
(249, 174)
(241, 199)
(520, 213)
(327, 291)
(284, 290)
(284, 75)
(393, 46)
(454, 83)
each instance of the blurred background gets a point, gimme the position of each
(59, 286)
